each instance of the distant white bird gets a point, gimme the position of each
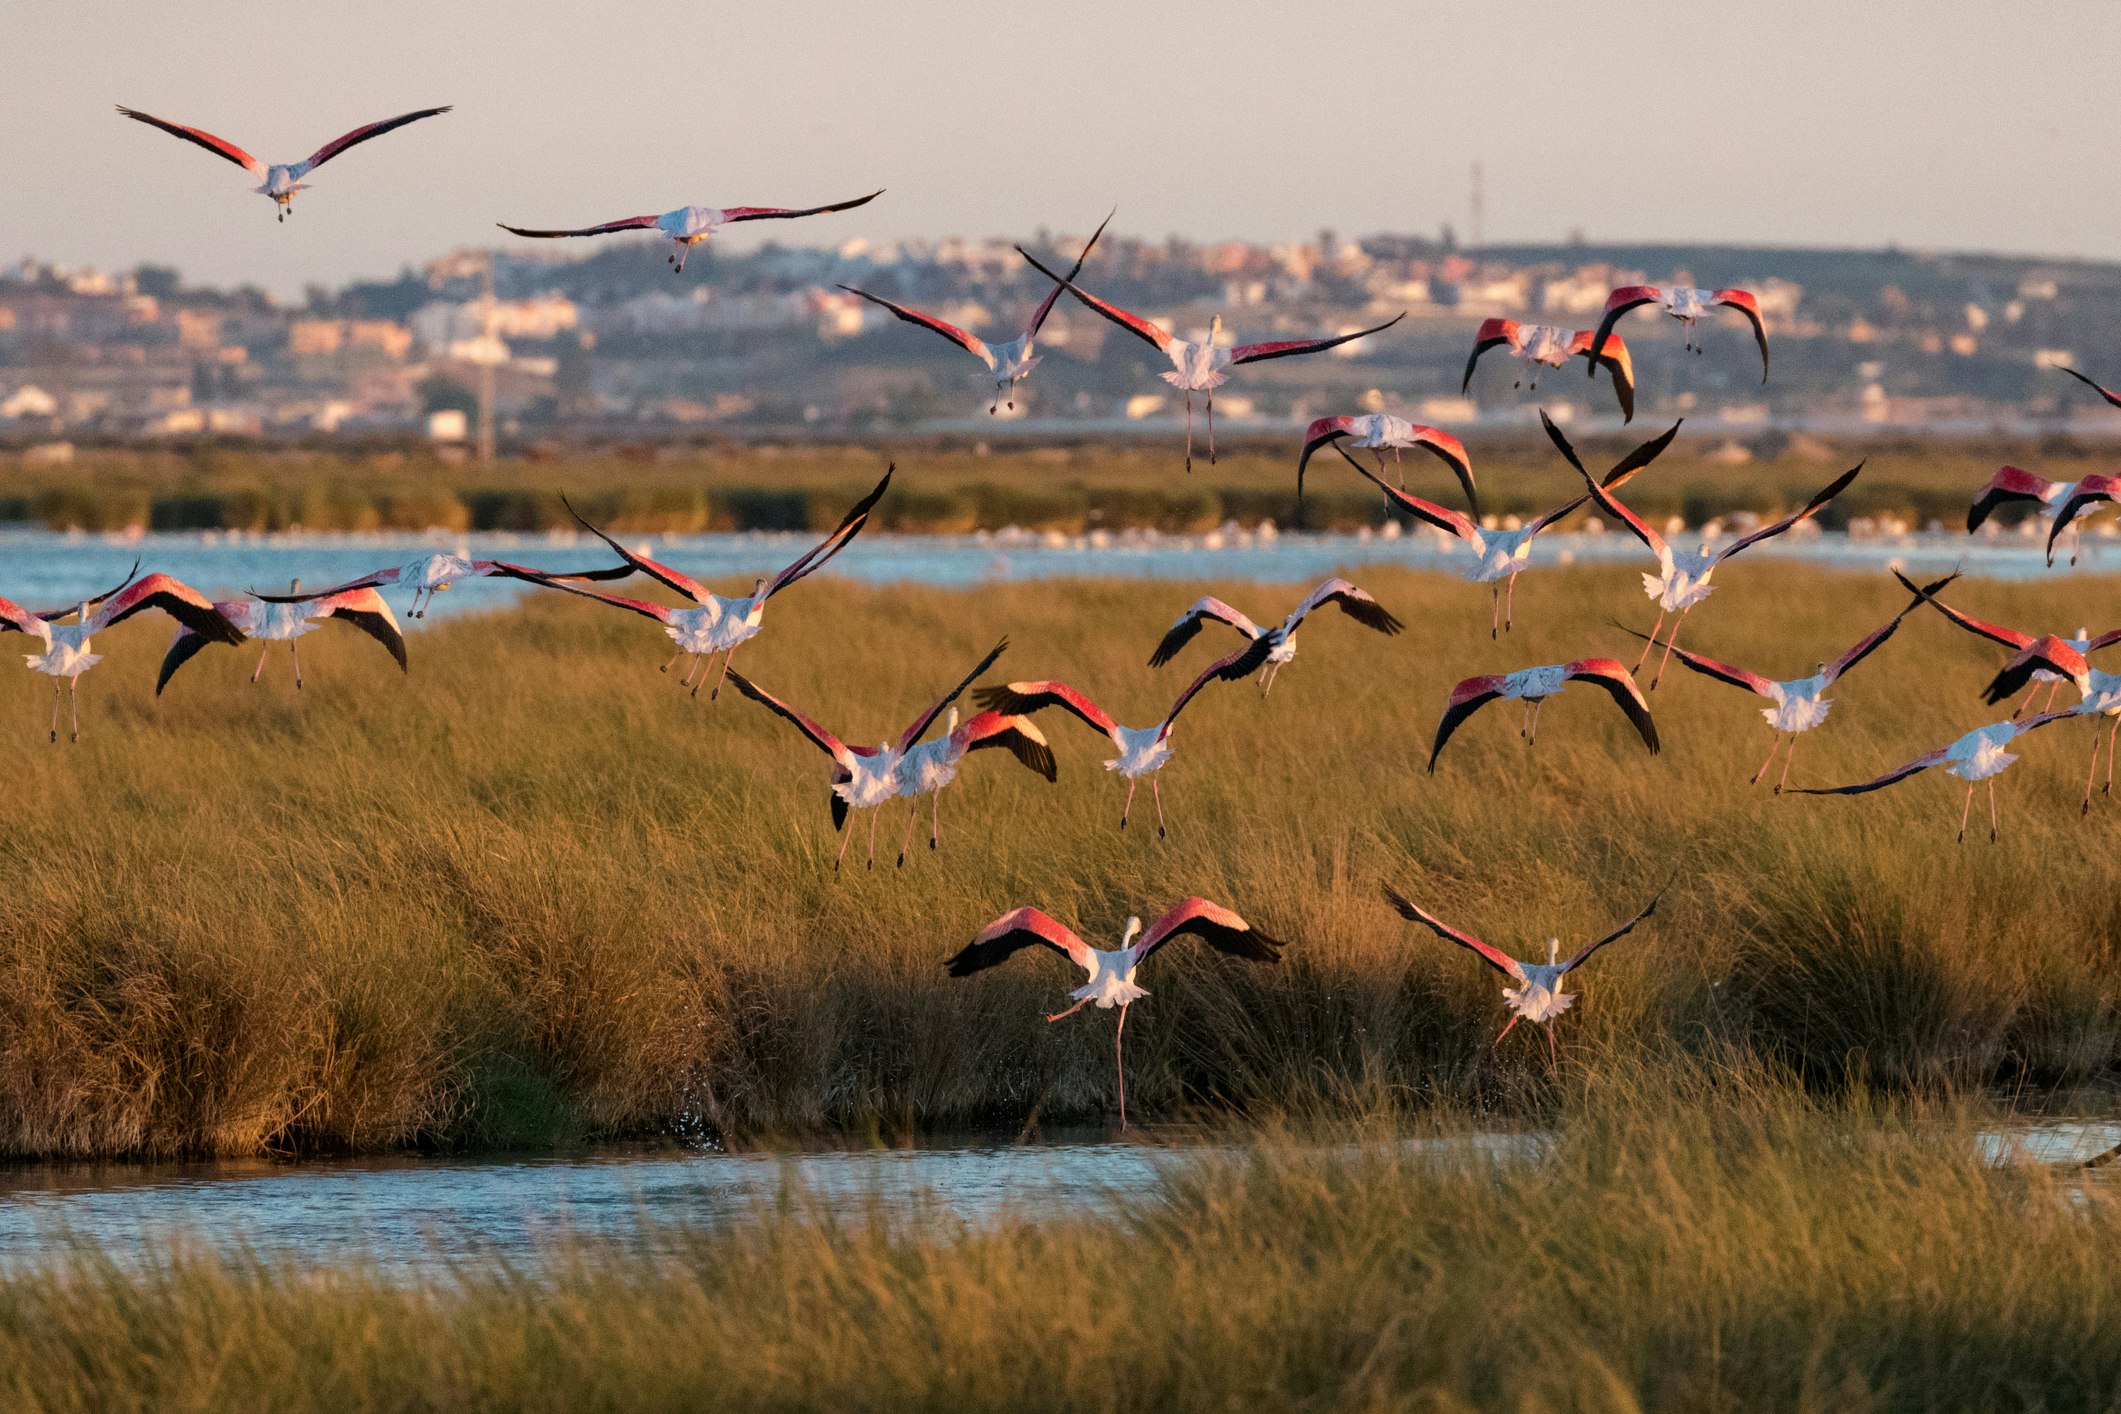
(1800, 703)
(431, 574)
(1010, 363)
(1978, 756)
(716, 624)
(1533, 686)
(2085, 643)
(689, 225)
(1547, 346)
(1112, 973)
(1499, 556)
(2063, 502)
(364, 609)
(1354, 602)
(865, 777)
(1142, 750)
(1379, 430)
(1199, 368)
(1537, 997)
(66, 652)
(1682, 578)
(281, 180)
(1685, 305)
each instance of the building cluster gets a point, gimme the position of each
(762, 342)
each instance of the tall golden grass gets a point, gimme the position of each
(532, 889)
(1692, 1239)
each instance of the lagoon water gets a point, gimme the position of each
(45, 569)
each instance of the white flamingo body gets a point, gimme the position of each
(286, 621)
(65, 650)
(1799, 704)
(719, 624)
(1980, 755)
(1111, 972)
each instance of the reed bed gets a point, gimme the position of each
(533, 891)
(1693, 1238)
(1068, 488)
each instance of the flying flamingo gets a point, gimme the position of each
(2099, 695)
(278, 623)
(1198, 368)
(1800, 703)
(865, 777)
(2062, 501)
(1682, 578)
(1686, 306)
(1499, 556)
(1978, 756)
(715, 624)
(1533, 686)
(1354, 602)
(1010, 363)
(282, 179)
(66, 645)
(1544, 345)
(429, 575)
(2085, 643)
(689, 225)
(1112, 973)
(1142, 750)
(1379, 430)
(1537, 997)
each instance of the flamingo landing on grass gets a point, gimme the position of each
(1112, 973)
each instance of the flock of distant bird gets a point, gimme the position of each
(708, 625)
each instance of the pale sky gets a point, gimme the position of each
(1937, 125)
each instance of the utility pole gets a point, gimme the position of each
(486, 362)
(1479, 204)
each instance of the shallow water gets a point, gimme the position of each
(43, 569)
(412, 1214)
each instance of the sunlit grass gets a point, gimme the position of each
(532, 888)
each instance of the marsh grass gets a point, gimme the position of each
(533, 891)
(1691, 1238)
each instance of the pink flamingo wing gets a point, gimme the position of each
(1414, 913)
(1290, 348)
(1214, 925)
(970, 344)
(1045, 306)
(1618, 303)
(1811, 508)
(219, 146)
(1015, 930)
(630, 223)
(789, 213)
(362, 134)
(1744, 302)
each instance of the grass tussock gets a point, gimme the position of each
(532, 890)
(1689, 1240)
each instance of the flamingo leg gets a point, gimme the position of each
(673, 658)
(1495, 611)
(873, 816)
(73, 706)
(1509, 605)
(1062, 1015)
(259, 671)
(1787, 757)
(1966, 811)
(1767, 763)
(935, 828)
(1506, 1029)
(1124, 811)
(1189, 434)
(913, 815)
(2111, 732)
(55, 709)
(1553, 1050)
(719, 678)
(295, 647)
(2053, 689)
(2090, 774)
(1671, 640)
(846, 838)
(1156, 791)
(1211, 462)
(1991, 809)
(1119, 1060)
(1649, 643)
